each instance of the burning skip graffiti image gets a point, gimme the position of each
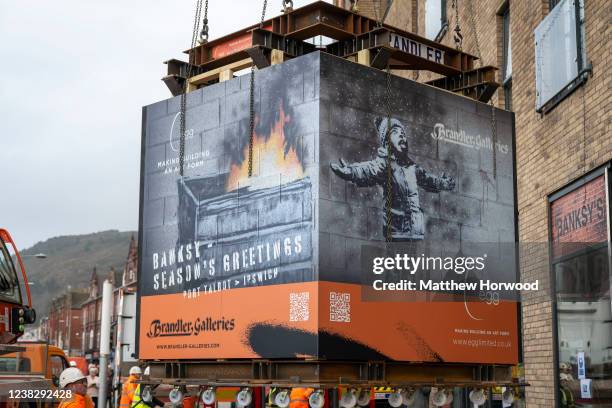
(252, 230)
(406, 221)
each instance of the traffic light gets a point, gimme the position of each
(17, 320)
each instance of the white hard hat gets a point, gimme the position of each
(135, 370)
(73, 363)
(69, 376)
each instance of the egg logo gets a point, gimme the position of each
(175, 133)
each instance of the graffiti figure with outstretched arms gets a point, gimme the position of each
(406, 176)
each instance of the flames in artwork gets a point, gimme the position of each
(272, 156)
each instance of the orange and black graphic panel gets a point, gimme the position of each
(256, 250)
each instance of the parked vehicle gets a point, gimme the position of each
(16, 372)
(81, 364)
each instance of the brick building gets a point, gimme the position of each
(554, 60)
(91, 312)
(123, 281)
(80, 312)
(65, 321)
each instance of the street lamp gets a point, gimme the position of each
(38, 256)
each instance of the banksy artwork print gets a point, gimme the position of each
(394, 168)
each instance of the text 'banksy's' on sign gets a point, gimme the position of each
(415, 48)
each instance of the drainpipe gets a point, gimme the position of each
(107, 304)
(119, 345)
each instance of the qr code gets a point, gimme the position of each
(299, 307)
(339, 307)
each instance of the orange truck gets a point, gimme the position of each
(14, 313)
(37, 366)
(38, 358)
(16, 368)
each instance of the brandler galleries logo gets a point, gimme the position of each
(460, 137)
(180, 327)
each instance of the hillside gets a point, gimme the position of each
(70, 260)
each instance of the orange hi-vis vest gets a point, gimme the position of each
(127, 392)
(78, 401)
(299, 397)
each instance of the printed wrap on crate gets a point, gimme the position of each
(286, 241)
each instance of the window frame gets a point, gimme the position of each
(606, 171)
(504, 14)
(12, 270)
(507, 46)
(583, 67)
(61, 359)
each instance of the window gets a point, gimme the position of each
(15, 364)
(436, 23)
(58, 364)
(507, 58)
(559, 51)
(581, 275)
(9, 285)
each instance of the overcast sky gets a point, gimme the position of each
(73, 78)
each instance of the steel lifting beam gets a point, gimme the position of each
(404, 51)
(289, 46)
(258, 48)
(479, 83)
(326, 373)
(353, 33)
(177, 72)
(234, 48)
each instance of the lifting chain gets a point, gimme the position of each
(389, 186)
(470, 11)
(457, 36)
(380, 18)
(252, 99)
(183, 106)
(204, 32)
(287, 6)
